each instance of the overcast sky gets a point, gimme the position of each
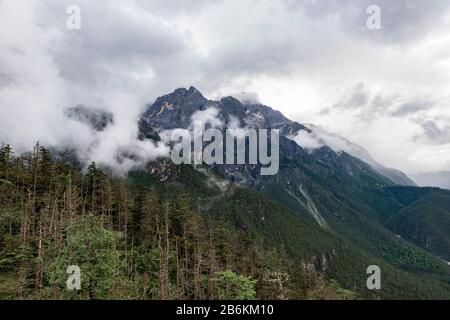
(314, 60)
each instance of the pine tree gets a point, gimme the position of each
(95, 250)
(5, 161)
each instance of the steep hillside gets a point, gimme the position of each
(320, 137)
(340, 193)
(426, 223)
(305, 241)
(138, 237)
(174, 231)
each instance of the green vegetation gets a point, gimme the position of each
(425, 222)
(356, 203)
(92, 247)
(137, 237)
(132, 238)
(230, 286)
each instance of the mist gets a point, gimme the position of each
(35, 94)
(385, 90)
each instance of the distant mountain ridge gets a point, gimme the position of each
(96, 119)
(340, 143)
(436, 179)
(326, 207)
(175, 110)
(341, 191)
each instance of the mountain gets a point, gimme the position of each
(168, 231)
(434, 179)
(97, 119)
(320, 137)
(425, 221)
(343, 195)
(175, 110)
(186, 235)
(305, 241)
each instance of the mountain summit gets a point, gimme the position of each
(337, 184)
(319, 223)
(175, 110)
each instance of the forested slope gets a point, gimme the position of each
(175, 234)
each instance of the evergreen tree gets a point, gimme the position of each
(94, 250)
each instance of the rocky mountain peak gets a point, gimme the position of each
(97, 119)
(182, 96)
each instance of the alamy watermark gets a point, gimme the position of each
(374, 280)
(374, 18)
(242, 146)
(73, 22)
(74, 279)
(373, 22)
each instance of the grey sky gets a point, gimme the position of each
(314, 60)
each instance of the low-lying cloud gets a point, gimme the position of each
(37, 90)
(316, 61)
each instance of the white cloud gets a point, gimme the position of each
(308, 140)
(247, 97)
(300, 57)
(209, 117)
(37, 93)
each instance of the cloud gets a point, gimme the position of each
(434, 131)
(356, 97)
(318, 137)
(40, 88)
(412, 107)
(31, 99)
(208, 117)
(308, 140)
(402, 20)
(117, 146)
(247, 97)
(313, 60)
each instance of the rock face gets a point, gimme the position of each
(301, 171)
(95, 118)
(340, 192)
(176, 109)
